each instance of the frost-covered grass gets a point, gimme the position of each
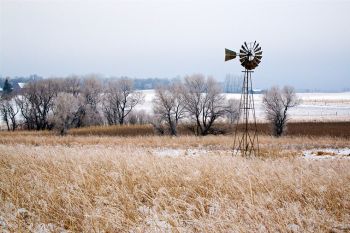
(165, 184)
(268, 144)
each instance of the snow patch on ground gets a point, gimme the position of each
(170, 152)
(327, 153)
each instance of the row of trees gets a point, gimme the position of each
(198, 100)
(63, 103)
(202, 101)
(69, 102)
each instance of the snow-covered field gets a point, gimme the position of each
(314, 106)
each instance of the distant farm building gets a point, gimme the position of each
(18, 87)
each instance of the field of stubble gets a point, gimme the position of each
(164, 184)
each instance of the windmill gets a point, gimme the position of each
(247, 143)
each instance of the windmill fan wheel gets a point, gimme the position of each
(250, 55)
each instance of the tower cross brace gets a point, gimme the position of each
(246, 138)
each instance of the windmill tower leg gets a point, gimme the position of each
(246, 142)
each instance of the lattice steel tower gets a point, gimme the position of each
(246, 143)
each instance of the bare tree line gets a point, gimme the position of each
(200, 101)
(197, 101)
(64, 103)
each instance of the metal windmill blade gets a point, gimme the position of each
(246, 46)
(257, 49)
(244, 49)
(256, 46)
(242, 52)
(255, 62)
(257, 57)
(242, 59)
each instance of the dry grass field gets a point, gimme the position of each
(317, 128)
(170, 184)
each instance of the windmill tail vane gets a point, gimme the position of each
(246, 138)
(229, 54)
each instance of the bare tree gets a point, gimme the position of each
(232, 110)
(143, 117)
(72, 85)
(119, 100)
(204, 102)
(140, 117)
(37, 101)
(276, 103)
(91, 90)
(169, 106)
(90, 93)
(27, 111)
(158, 125)
(8, 111)
(66, 111)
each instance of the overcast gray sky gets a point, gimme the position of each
(305, 43)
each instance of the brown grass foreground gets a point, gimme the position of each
(116, 184)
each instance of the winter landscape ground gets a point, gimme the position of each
(172, 184)
(128, 179)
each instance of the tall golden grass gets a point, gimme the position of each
(81, 183)
(114, 130)
(127, 188)
(335, 129)
(225, 142)
(332, 129)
